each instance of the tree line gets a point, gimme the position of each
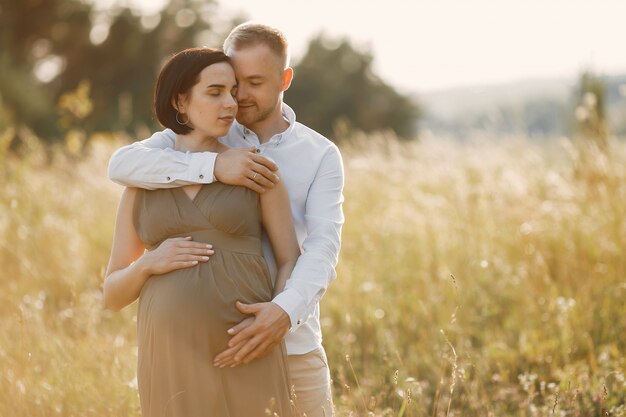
(66, 64)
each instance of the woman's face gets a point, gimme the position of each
(210, 105)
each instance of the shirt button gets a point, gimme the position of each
(299, 322)
(201, 176)
(168, 178)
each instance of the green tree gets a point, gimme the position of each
(32, 32)
(120, 68)
(335, 86)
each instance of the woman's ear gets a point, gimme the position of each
(178, 103)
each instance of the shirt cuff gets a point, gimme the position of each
(201, 167)
(294, 305)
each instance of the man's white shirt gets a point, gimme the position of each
(312, 170)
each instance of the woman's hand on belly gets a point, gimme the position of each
(175, 253)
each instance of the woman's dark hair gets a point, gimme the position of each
(178, 76)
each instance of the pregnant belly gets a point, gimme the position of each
(204, 295)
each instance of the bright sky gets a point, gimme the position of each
(425, 45)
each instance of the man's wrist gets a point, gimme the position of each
(292, 303)
(202, 167)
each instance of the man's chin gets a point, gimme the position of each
(245, 119)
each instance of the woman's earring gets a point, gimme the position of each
(181, 123)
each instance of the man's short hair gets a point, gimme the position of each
(251, 34)
(178, 76)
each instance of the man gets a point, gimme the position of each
(312, 169)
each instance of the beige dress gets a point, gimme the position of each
(183, 315)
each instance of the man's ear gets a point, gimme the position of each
(287, 78)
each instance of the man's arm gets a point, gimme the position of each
(153, 163)
(315, 268)
(309, 280)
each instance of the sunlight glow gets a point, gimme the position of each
(424, 45)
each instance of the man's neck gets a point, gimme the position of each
(274, 124)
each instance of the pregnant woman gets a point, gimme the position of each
(203, 254)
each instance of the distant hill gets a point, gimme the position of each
(535, 108)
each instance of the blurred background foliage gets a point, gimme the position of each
(68, 63)
(77, 64)
(337, 91)
(496, 286)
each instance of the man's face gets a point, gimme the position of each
(259, 75)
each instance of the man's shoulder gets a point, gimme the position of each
(167, 137)
(165, 134)
(312, 137)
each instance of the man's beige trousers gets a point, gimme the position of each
(310, 380)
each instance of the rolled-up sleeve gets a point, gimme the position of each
(153, 163)
(315, 268)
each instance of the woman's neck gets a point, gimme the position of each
(188, 143)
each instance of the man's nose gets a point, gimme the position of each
(241, 93)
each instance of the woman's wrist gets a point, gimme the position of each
(142, 267)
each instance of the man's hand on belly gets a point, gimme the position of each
(255, 336)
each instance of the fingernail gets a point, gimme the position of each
(209, 246)
(231, 331)
(194, 262)
(205, 258)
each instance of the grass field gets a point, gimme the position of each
(476, 279)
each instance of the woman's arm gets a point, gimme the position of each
(129, 267)
(278, 224)
(124, 279)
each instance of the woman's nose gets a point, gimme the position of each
(231, 102)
